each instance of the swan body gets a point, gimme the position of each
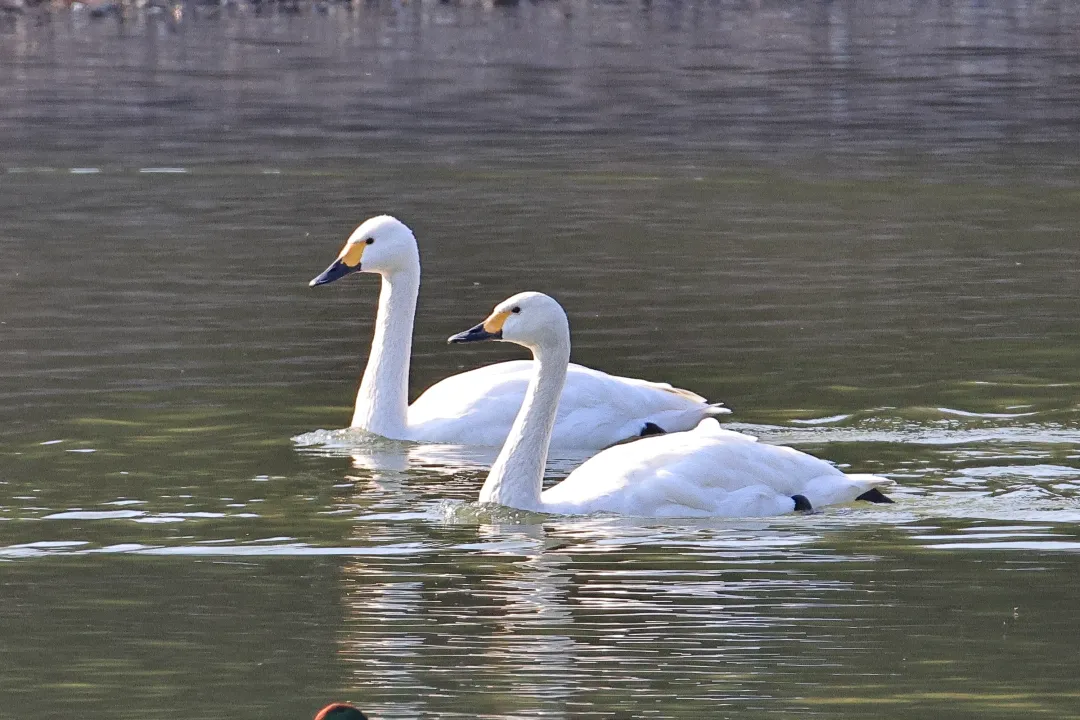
(595, 410)
(478, 407)
(707, 471)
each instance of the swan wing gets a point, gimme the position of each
(596, 409)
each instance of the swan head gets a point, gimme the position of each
(382, 244)
(340, 711)
(530, 319)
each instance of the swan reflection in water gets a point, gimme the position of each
(401, 472)
(551, 613)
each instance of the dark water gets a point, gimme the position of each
(853, 222)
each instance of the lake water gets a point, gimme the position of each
(855, 223)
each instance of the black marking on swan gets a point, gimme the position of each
(652, 428)
(875, 496)
(802, 504)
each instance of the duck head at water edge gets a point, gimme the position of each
(382, 245)
(340, 711)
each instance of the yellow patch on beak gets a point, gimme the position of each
(351, 253)
(495, 321)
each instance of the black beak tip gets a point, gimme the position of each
(473, 334)
(336, 271)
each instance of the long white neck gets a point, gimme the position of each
(382, 404)
(517, 477)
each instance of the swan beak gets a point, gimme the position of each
(337, 270)
(475, 334)
(347, 262)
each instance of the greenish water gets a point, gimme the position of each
(881, 272)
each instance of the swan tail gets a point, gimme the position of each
(872, 485)
(834, 489)
(716, 410)
(875, 496)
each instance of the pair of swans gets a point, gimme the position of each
(690, 467)
(478, 407)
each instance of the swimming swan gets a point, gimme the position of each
(706, 471)
(478, 407)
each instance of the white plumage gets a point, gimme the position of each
(595, 409)
(707, 471)
(478, 407)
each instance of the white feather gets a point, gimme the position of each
(595, 409)
(706, 471)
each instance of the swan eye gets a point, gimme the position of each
(515, 309)
(369, 241)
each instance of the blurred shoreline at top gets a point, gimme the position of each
(871, 87)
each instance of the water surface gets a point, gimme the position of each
(852, 222)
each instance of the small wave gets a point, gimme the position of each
(912, 433)
(368, 451)
(95, 515)
(288, 549)
(1045, 545)
(992, 416)
(216, 549)
(142, 516)
(1029, 504)
(1034, 472)
(823, 421)
(342, 438)
(474, 513)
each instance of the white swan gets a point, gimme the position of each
(478, 407)
(706, 471)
